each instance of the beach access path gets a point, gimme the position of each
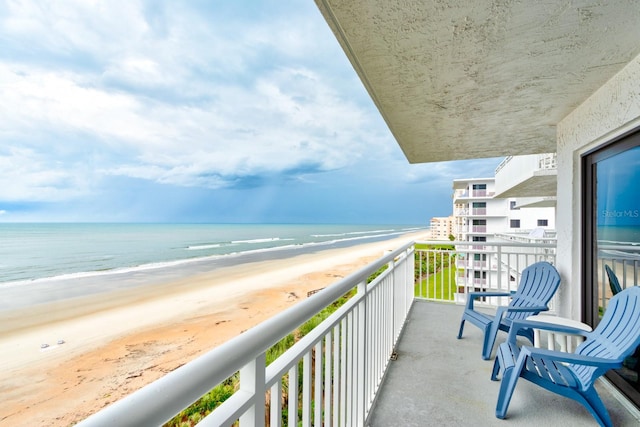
(113, 344)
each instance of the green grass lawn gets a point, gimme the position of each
(441, 285)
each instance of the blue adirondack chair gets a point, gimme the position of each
(572, 374)
(614, 284)
(538, 284)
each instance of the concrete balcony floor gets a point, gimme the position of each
(439, 380)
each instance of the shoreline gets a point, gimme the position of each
(30, 293)
(149, 248)
(133, 338)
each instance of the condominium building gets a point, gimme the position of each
(441, 227)
(481, 217)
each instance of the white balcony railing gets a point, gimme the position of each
(624, 261)
(333, 374)
(339, 364)
(449, 274)
(547, 161)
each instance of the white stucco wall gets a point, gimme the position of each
(611, 111)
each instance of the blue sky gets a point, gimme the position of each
(617, 189)
(199, 111)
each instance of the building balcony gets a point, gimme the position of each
(438, 380)
(465, 196)
(533, 175)
(387, 356)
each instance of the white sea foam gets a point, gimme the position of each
(349, 233)
(269, 239)
(203, 247)
(621, 254)
(618, 243)
(142, 261)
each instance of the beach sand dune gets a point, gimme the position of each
(115, 344)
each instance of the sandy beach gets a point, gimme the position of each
(103, 347)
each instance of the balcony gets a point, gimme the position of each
(438, 380)
(465, 196)
(387, 356)
(526, 176)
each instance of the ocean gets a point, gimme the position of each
(59, 251)
(619, 242)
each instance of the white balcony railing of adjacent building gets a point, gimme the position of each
(463, 194)
(545, 161)
(333, 374)
(478, 211)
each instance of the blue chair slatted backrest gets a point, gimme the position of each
(616, 336)
(538, 284)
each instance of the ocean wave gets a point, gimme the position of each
(615, 254)
(349, 233)
(187, 261)
(618, 243)
(107, 271)
(203, 247)
(262, 240)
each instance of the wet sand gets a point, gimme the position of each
(116, 343)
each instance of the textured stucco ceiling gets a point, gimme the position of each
(472, 79)
(539, 185)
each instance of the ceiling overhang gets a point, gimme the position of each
(536, 202)
(462, 80)
(539, 184)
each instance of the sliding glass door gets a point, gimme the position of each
(611, 233)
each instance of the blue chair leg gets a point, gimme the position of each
(595, 406)
(490, 334)
(496, 370)
(461, 328)
(510, 377)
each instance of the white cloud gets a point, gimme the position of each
(176, 96)
(28, 175)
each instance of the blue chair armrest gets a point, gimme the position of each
(561, 356)
(519, 324)
(473, 295)
(500, 312)
(489, 294)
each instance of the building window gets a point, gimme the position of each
(611, 220)
(514, 223)
(479, 274)
(543, 223)
(479, 190)
(479, 238)
(476, 205)
(512, 206)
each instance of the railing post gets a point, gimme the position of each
(393, 276)
(361, 377)
(252, 380)
(499, 250)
